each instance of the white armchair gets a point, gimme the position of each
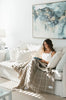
(60, 83)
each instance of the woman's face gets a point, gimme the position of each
(46, 45)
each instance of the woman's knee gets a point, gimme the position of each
(34, 61)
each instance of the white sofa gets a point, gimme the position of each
(24, 54)
(16, 56)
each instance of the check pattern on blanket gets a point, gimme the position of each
(36, 78)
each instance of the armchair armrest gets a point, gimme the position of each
(64, 80)
(2, 55)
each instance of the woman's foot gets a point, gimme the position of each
(19, 87)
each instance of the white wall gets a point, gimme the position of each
(16, 19)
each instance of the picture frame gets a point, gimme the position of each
(49, 20)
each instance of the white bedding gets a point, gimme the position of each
(7, 71)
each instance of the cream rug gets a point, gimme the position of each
(11, 84)
(29, 95)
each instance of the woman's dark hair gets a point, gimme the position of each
(50, 44)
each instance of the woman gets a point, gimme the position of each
(48, 51)
(31, 71)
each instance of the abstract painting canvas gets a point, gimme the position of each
(49, 20)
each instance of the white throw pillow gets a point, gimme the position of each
(64, 50)
(32, 47)
(2, 55)
(61, 63)
(23, 56)
(22, 46)
(55, 59)
(58, 49)
(13, 54)
(7, 55)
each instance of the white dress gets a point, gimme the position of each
(47, 56)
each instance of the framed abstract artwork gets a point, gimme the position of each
(49, 20)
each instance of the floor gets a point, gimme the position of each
(27, 95)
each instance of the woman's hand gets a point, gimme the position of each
(43, 61)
